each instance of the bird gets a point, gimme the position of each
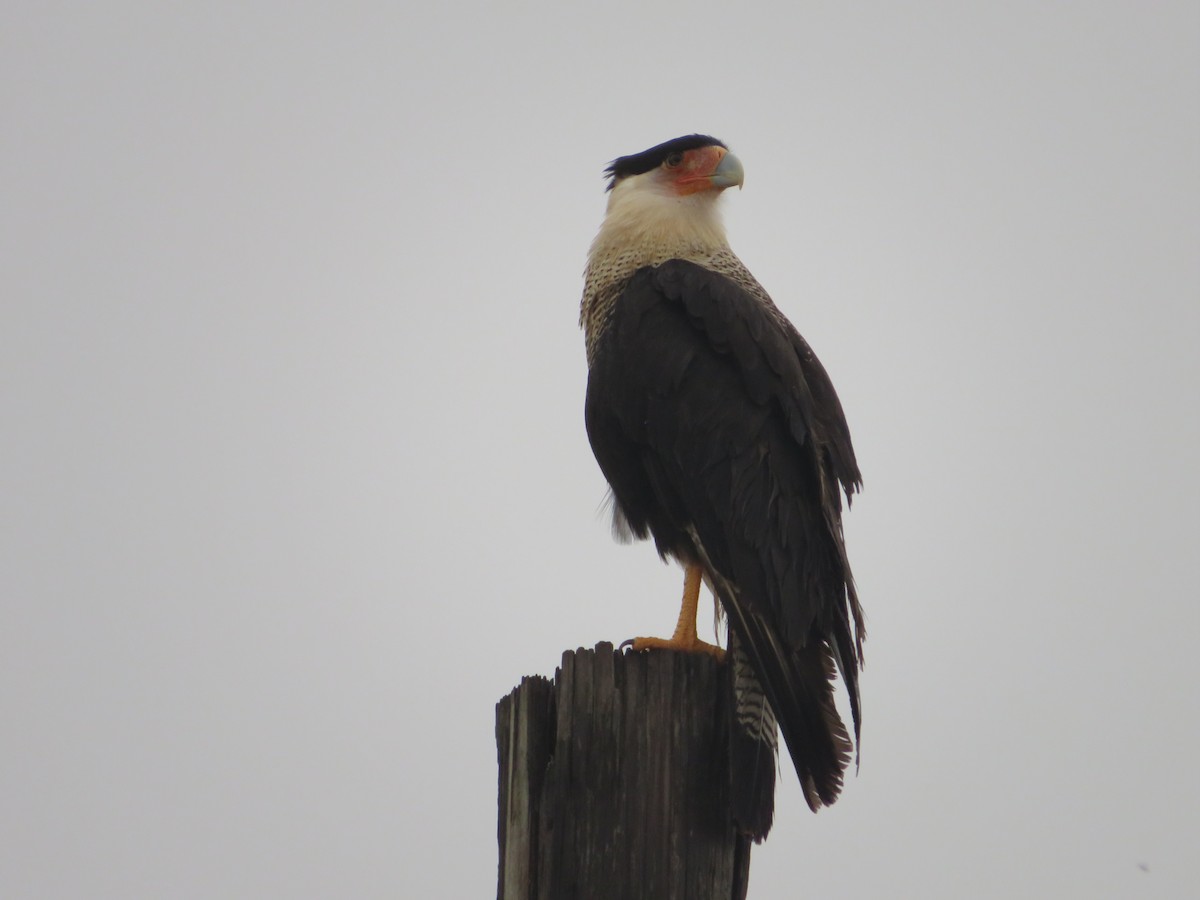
(722, 439)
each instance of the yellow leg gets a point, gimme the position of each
(685, 637)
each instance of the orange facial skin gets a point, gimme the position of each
(694, 172)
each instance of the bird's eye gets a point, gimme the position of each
(674, 159)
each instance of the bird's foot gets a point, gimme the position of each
(682, 644)
(684, 639)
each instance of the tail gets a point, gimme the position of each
(753, 747)
(799, 688)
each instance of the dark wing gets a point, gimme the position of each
(721, 435)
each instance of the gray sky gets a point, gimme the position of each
(295, 478)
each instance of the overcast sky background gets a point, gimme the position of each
(295, 481)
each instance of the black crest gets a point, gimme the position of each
(653, 158)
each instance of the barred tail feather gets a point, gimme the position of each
(753, 747)
(799, 687)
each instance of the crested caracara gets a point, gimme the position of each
(722, 438)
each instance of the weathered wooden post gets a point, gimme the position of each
(614, 781)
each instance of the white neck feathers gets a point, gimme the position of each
(643, 213)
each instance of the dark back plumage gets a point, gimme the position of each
(722, 438)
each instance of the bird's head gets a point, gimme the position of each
(669, 191)
(679, 168)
